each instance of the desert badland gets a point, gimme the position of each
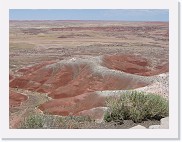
(69, 68)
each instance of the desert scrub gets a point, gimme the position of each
(136, 106)
(42, 121)
(33, 122)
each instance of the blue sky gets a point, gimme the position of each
(90, 14)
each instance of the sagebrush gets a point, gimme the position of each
(136, 106)
(42, 121)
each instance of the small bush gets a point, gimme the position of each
(33, 122)
(136, 106)
(42, 121)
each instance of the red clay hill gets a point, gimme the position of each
(73, 84)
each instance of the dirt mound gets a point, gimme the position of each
(73, 105)
(134, 65)
(90, 81)
(45, 79)
(72, 83)
(75, 77)
(33, 68)
(16, 99)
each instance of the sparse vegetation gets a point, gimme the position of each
(81, 58)
(41, 121)
(136, 106)
(33, 122)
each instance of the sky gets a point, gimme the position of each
(90, 14)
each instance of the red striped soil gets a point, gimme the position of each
(16, 99)
(72, 86)
(134, 65)
(73, 105)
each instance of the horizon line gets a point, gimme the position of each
(90, 20)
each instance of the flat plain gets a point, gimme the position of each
(69, 68)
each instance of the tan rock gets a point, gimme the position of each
(154, 127)
(138, 127)
(165, 123)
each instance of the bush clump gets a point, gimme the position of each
(136, 106)
(33, 122)
(42, 121)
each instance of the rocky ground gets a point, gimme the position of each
(69, 68)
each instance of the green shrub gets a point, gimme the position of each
(136, 106)
(33, 122)
(42, 121)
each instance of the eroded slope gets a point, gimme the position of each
(72, 84)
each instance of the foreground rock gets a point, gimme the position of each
(164, 124)
(154, 127)
(138, 127)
